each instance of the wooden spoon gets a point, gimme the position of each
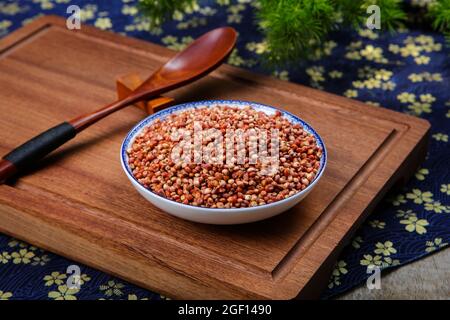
(201, 57)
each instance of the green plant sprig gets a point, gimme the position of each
(439, 12)
(297, 29)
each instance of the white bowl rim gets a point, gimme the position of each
(129, 138)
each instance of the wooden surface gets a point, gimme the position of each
(79, 203)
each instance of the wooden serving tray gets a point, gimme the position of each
(79, 203)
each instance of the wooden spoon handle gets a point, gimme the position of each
(35, 149)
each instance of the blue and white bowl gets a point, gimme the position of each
(219, 215)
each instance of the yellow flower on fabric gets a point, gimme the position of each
(5, 295)
(445, 188)
(435, 244)
(425, 76)
(415, 224)
(353, 55)
(356, 243)
(79, 280)
(192, 23)
(372, 83)
(423, 39)
(257, 47)
(354, 45)
(335, 74)
(88, 12)
(103, 23)
(112, 288)
(169, 40)
(4, 257)
(10, 9)
(377, 224)
(14, 243)
(172, 42)
(405, 214)
(420, 197)
(234, 59)
(207, 11)
(385, 248)
(394, 48)
(435, 77)
(419, 107)
(436, 206)
(372, 53)
(388, 86)
(41, 261)
(54, 278)
(358, 84)
(373, 103)
(421, 173)
(283, 75)
(387, 261)
(334, 281)
(129, 10)
(406, 97)
(45, 4)
(339, 268)
(398, 200)
(328, 47)
(23, 256)
(368, 33)
(410, 50)
(434, 47)
(370, 261)
(351, 93)
(383, 74)
(4, 25)
(316, 73)
(134, 297)
(235, 16)
(422, 60)
(427, 98)
(440, 137)
(414, 77)
(63, 293)
(178, 15)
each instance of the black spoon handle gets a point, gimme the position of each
(35, 149)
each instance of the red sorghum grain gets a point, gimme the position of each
(222, 185)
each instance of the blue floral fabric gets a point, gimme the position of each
(408, 71)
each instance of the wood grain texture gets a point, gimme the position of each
(79, 203)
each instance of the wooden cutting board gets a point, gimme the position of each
(79, 203)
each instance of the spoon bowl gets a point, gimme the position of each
(190, 64)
